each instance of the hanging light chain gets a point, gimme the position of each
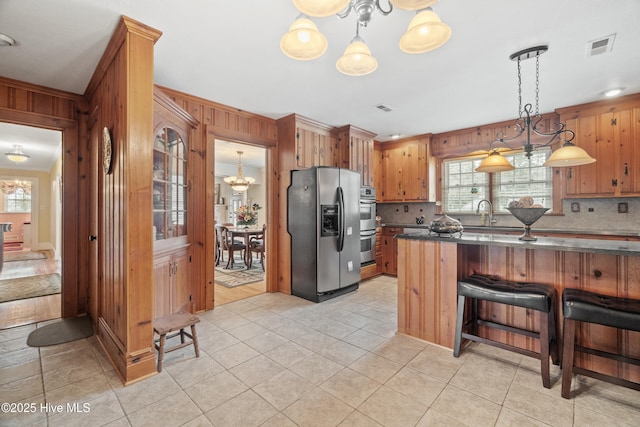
(537, 82)
(519, 90)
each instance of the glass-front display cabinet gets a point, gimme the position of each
(169, 184)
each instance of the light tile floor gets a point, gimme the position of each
(277, 360)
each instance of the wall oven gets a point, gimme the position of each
(367, 225)
(367, 208)
(367, 246)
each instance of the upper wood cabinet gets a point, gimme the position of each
(357, 152)
(609, 131)
(406, 169)
(309, 142)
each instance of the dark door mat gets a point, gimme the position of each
(64, 330)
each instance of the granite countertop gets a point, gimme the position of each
(611, 247)
(500, 229)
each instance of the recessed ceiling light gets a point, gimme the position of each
(5, 40)
(395, 135)
(613, 92)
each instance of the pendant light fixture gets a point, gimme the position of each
(239, 183)
(527, 123)
(17, 155)
(304, 42)
(426, 32)
(357, 59)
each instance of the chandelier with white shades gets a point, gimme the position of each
(304, 42)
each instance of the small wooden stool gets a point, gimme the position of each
(534, 296)
(590, 307)
(174, 322)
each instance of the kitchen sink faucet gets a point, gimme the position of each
(491, 219)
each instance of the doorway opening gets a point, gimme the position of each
(240, 218)
(30, 199)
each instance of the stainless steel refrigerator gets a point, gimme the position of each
(323, 208)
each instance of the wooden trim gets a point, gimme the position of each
(598, 107)
(125, 27)
(71, 306)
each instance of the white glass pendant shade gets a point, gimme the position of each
(17, 155)
(357, 59)
(320, 8)
(495, 162)
(303, 41)
(569, 155)
(426, 32)
(413, 4)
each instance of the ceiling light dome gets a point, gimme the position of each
(495, 162)
(357, 59)
(569, 155)
(303, 41)
(425, 33)
(320, 8)
(17, 155)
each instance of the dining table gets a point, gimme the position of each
(245, 233)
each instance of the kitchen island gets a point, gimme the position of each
(429, 267)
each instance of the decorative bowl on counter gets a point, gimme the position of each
(445, 225)
(527, 216)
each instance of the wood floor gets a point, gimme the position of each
(226, 295)
(30, 310)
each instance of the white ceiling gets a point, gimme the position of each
(42, 145)
(228, 52)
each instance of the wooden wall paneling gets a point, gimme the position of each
(222, 122)
(125, 325)
(606, 274)
(227, 122)
(429, 300)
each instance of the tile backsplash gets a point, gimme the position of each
(585, 214)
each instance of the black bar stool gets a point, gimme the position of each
(589, 307)
(534, 296)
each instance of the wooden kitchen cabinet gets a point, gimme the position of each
(357, 152)
(405, 171)
(310, 142)
(390, 250)
(609, 132)
(377, 170)
(171, 273)
(172, 201)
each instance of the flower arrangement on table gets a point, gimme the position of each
(247, 215)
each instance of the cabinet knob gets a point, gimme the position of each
(92, 238)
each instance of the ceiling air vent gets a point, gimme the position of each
(601, 45)
(383, 108)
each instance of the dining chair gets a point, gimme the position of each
(257, 245)
(226, 243)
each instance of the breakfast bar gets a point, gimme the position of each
(430, 265)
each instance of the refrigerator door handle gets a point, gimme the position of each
(341, 219)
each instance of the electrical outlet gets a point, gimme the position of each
(406, 208)
(623, 207)
(575, 207)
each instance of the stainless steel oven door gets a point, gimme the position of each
(367, 246)
(367, 214)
